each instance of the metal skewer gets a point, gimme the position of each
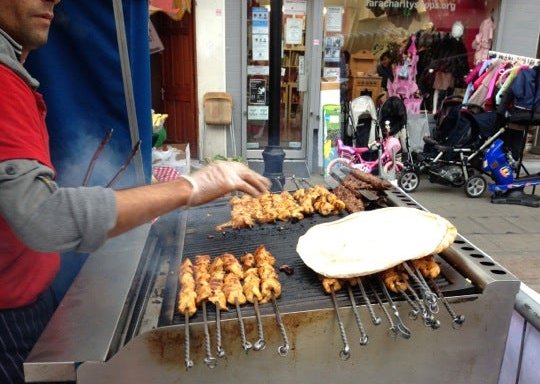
(427, 316)
(283, 350)
(95, 156)
(430, 298)
(345, 353)
(260, 344)
(245, 343)
(209, 360)
(402, 330)
(219, 348)
(187, 358)
(125, 165)
(457, 320)
(363, 336)
(393, 329)
(374, 318)
(413, 313)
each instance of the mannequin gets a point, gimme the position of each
(453, 65)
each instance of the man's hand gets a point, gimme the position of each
(222, 177)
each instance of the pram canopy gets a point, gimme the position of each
(364, 120)
(394, 111)
(463, 126)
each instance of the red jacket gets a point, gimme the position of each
(24, 273)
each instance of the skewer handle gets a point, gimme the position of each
(187, 358)
(283, 349)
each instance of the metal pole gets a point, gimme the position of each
(273, 154)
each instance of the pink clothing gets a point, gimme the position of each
(483, 39)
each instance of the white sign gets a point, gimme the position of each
(257, 112)
(294, 31)
(261, 47)
(294, 7)
(258, 70)
(334, 19)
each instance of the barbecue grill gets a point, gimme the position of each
(126, 329)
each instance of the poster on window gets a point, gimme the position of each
(257, 112)
(257, 91)
(259, 21)
(260, 46)
(334, 19)
(332, 48)
(294, 31)
(294, 7)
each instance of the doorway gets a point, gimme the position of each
(174, 74)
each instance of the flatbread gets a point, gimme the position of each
(371, 241)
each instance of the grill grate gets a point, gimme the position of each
(302, 290)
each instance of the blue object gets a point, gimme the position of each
(81, 81)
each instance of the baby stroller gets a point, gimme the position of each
(453, 152)
(375, 137)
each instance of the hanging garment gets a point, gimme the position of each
(483, 40)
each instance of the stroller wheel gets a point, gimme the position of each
(336, 164)
(475, 186)
(408, 180)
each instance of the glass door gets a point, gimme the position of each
(293, 78)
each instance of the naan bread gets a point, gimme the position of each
(371, 241)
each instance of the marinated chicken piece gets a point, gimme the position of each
(270, 285)
(252, 284)
(232, 288)
(187, 297)
(427, 266)
(395, 280)
(202, 277)
(232, 265)
(252, 281)
(330, 284)
(263, 256)
(217, 275)
(248, 261)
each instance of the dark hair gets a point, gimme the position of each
(386, 54)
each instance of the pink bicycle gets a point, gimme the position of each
(385, 164)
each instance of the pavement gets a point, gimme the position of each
(508, 233)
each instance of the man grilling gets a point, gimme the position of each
(38, 218)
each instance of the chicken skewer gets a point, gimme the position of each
(253, 294)
(232, 288)
(187, 304)
(427, 267)
(363, 335)
(331, 286)
(397, 281)
(217, 297)
(203, 291)
(271, 290)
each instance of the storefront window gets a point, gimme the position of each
(428, 46)
(293, 82)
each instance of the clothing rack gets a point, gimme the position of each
(508, 56)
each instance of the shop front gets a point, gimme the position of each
(331, 54)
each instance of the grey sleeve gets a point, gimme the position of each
(48, 218)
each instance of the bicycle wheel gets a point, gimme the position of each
(337, 163)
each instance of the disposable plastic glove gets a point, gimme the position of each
(222, 177)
